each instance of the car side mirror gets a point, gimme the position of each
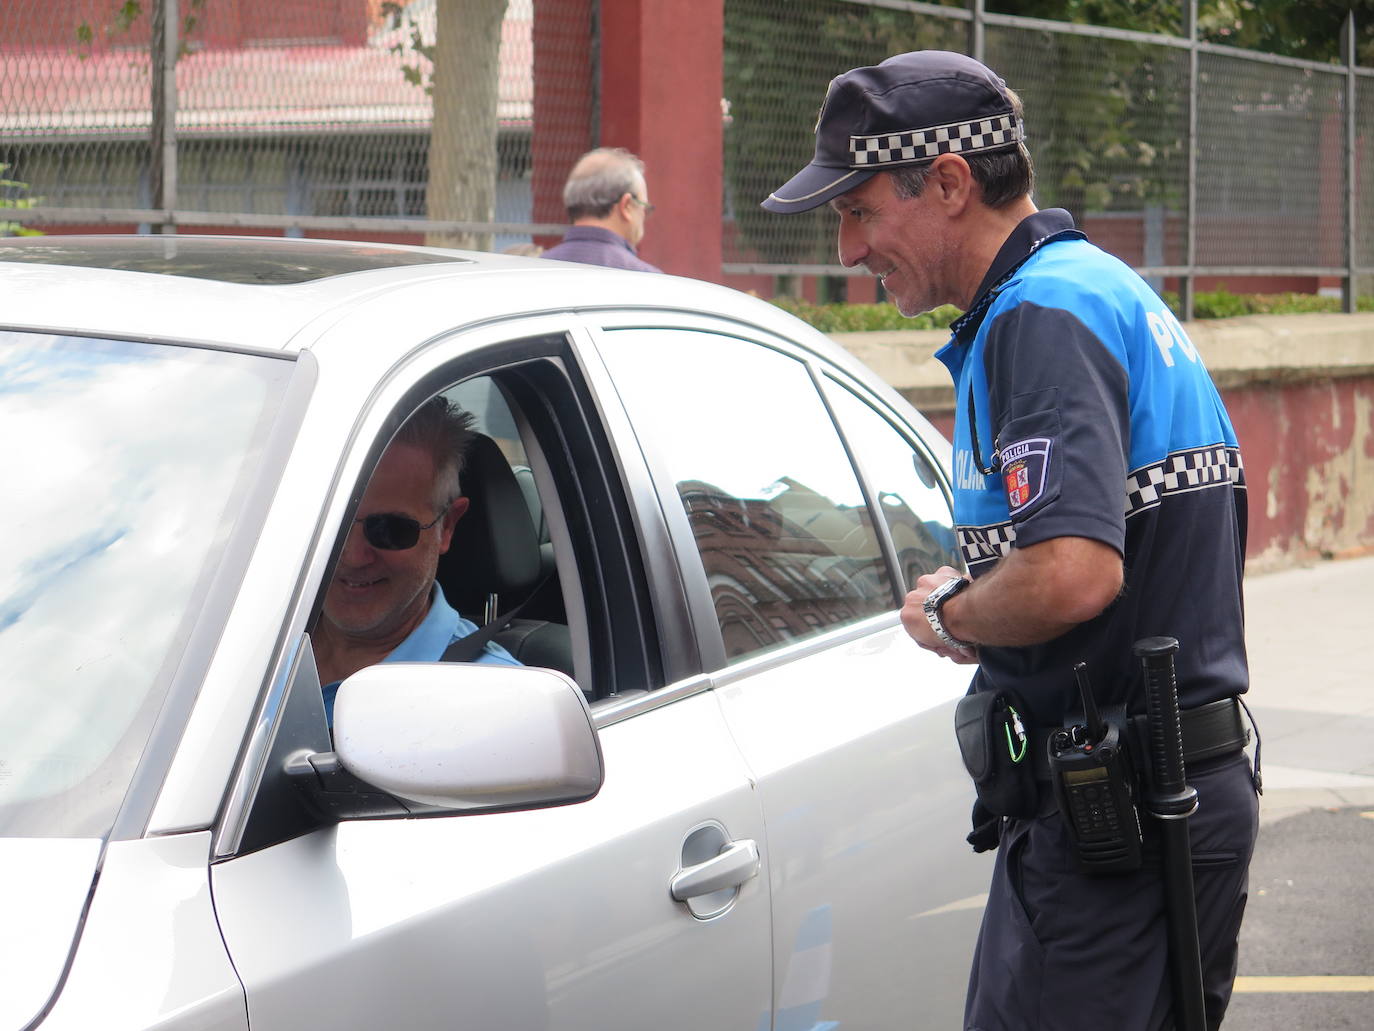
(441, 737)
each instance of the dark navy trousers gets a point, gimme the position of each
(1061, 950)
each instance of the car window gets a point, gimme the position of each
(910, 498)
(541, 544)
(449, 570)
(492, 416)
(500, 535)
(125, 465)
(773, 502)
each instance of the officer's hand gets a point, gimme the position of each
(916, 624)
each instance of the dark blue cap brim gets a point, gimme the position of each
(815, 185)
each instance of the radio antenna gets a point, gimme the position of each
(1096, 729)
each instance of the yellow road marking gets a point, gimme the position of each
(972, 902)
(1333, 983)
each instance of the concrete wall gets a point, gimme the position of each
(1300, 390)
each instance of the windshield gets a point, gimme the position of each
(123, 466)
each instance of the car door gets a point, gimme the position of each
(845, 724)
(555, 918)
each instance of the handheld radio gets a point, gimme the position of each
(1094, 782)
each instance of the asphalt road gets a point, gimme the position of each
(1307, 944)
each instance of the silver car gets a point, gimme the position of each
(723, 792)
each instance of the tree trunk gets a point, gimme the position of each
(462, 146)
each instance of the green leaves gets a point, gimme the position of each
(1209, 304)
(125, 14)
(410, 40)
(864, 318)
(9, 188)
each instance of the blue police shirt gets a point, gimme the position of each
(427, 643)
(1084, 410)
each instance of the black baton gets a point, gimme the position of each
(1172, 801)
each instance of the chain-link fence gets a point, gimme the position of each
(779, 58)
(1114, 119)
(454, 121)
(349, 116)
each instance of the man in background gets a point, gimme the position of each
(608, 203)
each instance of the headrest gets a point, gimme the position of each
(495, 547)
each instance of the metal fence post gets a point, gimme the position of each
(977, 31)
(1350, 291)
(1186, 284)
(162, 143)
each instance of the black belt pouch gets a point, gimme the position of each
(996, 750)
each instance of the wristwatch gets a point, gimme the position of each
(932, 604)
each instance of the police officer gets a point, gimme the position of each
(1099, 498)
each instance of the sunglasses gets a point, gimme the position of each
(390, 532)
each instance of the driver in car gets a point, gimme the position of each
(383, 603)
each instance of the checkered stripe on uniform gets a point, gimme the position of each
(1214, 466)
(900, 148)
(985, 543)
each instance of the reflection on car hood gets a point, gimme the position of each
(43, 891)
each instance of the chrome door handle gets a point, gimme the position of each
(734, 865)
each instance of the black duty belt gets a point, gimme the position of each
(1209, 731)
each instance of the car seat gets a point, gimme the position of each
(524, 476)
(496, 551)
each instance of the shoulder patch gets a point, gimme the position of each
(1024, 467)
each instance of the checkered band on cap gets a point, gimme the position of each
(903, 148)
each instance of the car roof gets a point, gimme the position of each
(234, 292)
(225, 259)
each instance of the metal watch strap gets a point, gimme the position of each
(933, 613)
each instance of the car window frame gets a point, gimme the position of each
(448, 358)
(700, 607)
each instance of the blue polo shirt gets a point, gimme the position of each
(1083, 410)
(428, 642)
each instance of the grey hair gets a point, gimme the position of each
(445, 431)
(598, 181)
(1003, 176)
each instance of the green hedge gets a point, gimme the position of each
(1213, 304)
(1222, 304)
(860, 318)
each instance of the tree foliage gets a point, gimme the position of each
(125, 15)
(410, 43)
(780, 56)
(1107, 118)
(14, 196)
(1309, 29)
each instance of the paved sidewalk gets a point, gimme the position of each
(1310, 636)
